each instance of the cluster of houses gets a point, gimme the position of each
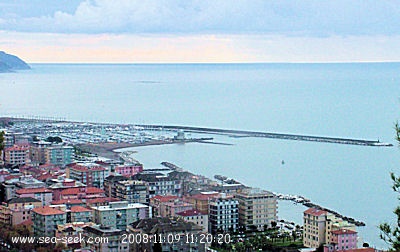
(44, 188)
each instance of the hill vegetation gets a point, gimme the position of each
(9, 63)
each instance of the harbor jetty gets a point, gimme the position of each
(244, 133)
(297, 199)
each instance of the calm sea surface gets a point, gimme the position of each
(340, 100)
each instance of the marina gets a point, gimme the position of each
(82, 132)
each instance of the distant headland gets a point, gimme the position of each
(9, 63)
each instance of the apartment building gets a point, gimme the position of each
(196, 217)
(160, 184)
(90, 174)
(17, 155)
(129, 170)
(314, 228)
(200, 201)
(79, 214)
(223, 214)
(43, 194)
(341, 240)
(107, 239)
(257, 208)
(59, 155)
(322, 227)
(45, 220)
(17, 210)
(119, 214)
(157, 200)
(37, 152)
(133, 191)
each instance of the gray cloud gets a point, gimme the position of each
(302, 17)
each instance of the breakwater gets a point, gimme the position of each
(244, 133)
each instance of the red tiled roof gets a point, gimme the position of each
(66, 201)
(165, 198)
(82, 168)
(361, 250)
(46, 210)
(46, 176)
(204, 196)
(17, 148)
(12, 177)
(343, 231)
(26, 223)
(87, 190)
(315, 212)
(33, 190)
(76, 209)
(192, 212)
(101, 200)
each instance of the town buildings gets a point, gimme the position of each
(171, 234)
(196, 217)
(79, 214)
(119, 214)
(160, 184)
(45, 220)
(59, 155)
(90, 174)
(128, 170)
(133, 191)
(82, 193)
(257, 208)
(223, 214)
(341, 240)
(322, 227)
(200, 200)
(17, 210)
(104, 239)
(314, 227)
(59, 185)
(43, 194)
(17, 155)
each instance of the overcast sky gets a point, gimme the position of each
(201, 30)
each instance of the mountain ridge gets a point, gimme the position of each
(10, 63)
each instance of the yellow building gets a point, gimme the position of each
(314, 228)
(257, 208)
(319, 225)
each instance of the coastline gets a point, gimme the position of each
(110, 150)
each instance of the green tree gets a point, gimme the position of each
(391, 234)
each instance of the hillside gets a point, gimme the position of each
(9, 63)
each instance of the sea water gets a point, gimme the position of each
(353, 100)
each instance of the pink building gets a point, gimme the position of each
(156, 201)
(169, 209)
(129, 170)
(82, 193)
(17, 155)
(342, 240)
(43, 194)
(17, 210)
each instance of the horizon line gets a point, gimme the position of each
(239, 62)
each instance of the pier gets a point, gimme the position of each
(243, 133)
